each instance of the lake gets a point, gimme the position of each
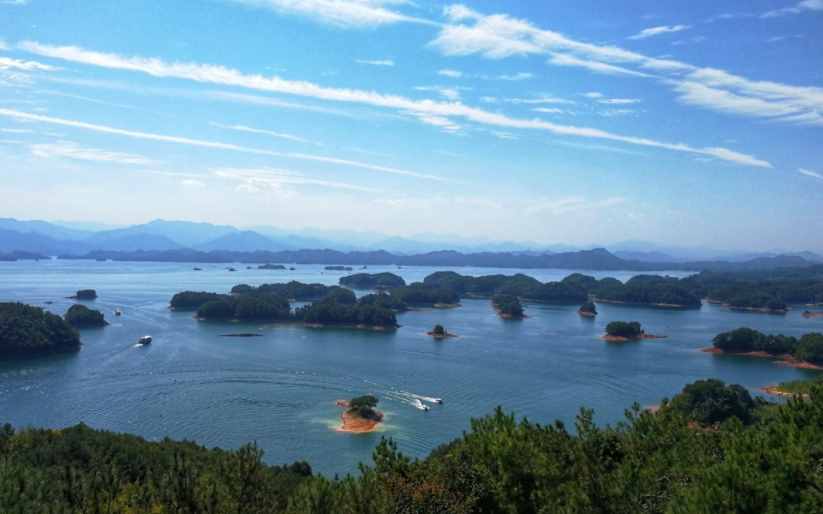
(280, 389)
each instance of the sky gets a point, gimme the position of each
(588, 122)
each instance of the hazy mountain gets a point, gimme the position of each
(118, 241)
(11, 241)
(243, 241)
(184, 233)
(645, 256)
(43, 228)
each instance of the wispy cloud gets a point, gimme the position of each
(548, 110)
(572, 204)
(455, 74)
(618, 101)
(7, 63)
(376, 62)
(449, 93)
(14, 2)
(516, 76)
(656, 31)
(205, 73)
(271, 179)
(270, 133)
(215, 145)
(71, 150)
(341, 13)
(798, 8)
(499, 35)
(810, 173)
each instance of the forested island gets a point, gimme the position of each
(712, 448)
(270, 266)
(270, 303)
(507, 306)
(80, 316)
(588, 310)
(804, 352)
(621, 331)
(360, 414)
(85, 294)
(29, 331)
(372, 281)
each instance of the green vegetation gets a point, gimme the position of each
(271, 266)
(769, 290)
(420, 294)
(588, 308)
(296, 290)
(364, 407)
(372, 281)
(439, 331)
(649, 290)
(629, 330)
(800, 387)
(507, 306)
(80, 316)
(193, 300)
(746, 457)
(384, 300)
(808, 348)
(331, 311)
(27, 330)
(85, 294)
(246, 307)
(709, 402)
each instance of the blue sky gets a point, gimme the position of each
(585, 122)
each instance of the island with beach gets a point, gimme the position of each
(622, 331)
(360, 415)
(805, 352)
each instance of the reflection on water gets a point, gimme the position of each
(279, 389)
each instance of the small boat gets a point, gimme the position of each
(118, 312)
(197, 269)
(231, 269)
(143, 341)
(419, 405)
(438, 401)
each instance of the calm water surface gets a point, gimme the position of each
(280, 389)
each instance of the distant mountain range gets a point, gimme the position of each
(185, 241)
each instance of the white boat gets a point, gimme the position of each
(419, 405)
(143, 341)
(118, 312)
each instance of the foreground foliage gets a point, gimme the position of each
(669, 462)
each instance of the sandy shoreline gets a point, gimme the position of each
(812, 314)
(782, 360)
(353, 424)
(621, 339)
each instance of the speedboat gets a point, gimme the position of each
(118, 312)
(419, 405)
(143, 341)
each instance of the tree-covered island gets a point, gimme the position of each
(507, 306)
(372, 281)
(588, 310)
(803, 352)
(29, 331)
(84, 294)
(620, 331)
(360, 414)
(80, 316)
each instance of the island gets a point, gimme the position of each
(360, 415)
(812, 314)
(269, 266)
(27, 331)
(84, 294)
(342, 311)
(420, 294)
(648, 290)
(338, 268)
(622, 331)
(587, 310)
(708, 403)
(372, 281)
(80, 316)
(805, 352)
(440, 332)
(508, 306)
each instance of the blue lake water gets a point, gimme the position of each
(280, 389)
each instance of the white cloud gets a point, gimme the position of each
(449, 93)
(611, 113)
(340, 13)
(618, 101)
(656, 31)
(192, 183)
(548, 110)
(595, 66)
(71, 150)
(455, 74)
(516, 76)
(37, 118)
(499, 35)
(205, 73)
(16, 131)
(499, 134)
(800, 7)
(540, 100)
(262, 179)
(572, 204)
(376, 62)
(14, 2)
(252, 130)
(7, 63)
(810, 173)
(593, 94)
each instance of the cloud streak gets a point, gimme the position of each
(270, 133)
(213, 74)
(341, 13)
(73, 151)
(657, 31)
(215, 145)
